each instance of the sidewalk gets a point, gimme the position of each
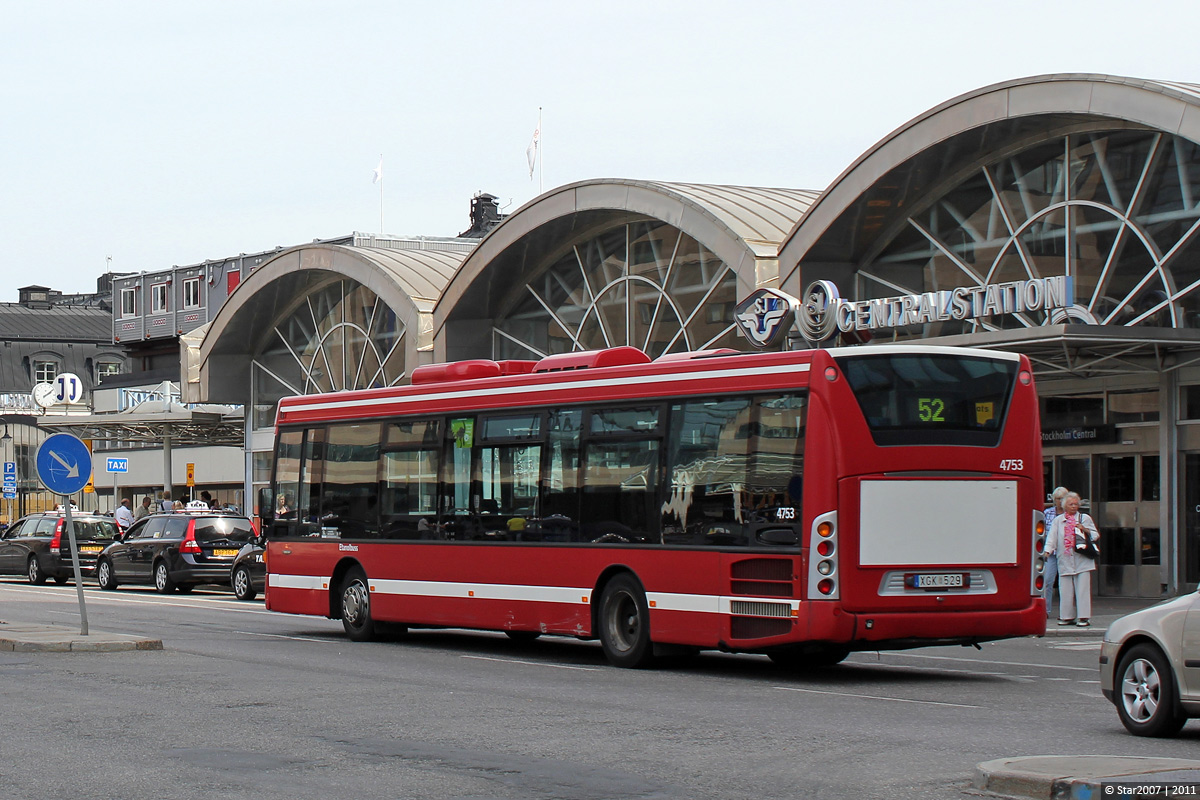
(25, 637)
(1053, 777)
(1105, 610)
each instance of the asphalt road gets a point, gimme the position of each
(248, 703)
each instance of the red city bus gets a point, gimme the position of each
(799, 504)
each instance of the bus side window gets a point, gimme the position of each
(312, 473)
(459, 484)
(620, 479)
(279, 506)
(408, 480)
(350, 503)
(559, 521)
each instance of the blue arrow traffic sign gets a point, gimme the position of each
(64, 463)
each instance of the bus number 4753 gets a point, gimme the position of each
(1012, 464)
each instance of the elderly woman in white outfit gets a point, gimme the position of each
(1074, 568)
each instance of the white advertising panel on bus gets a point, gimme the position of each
(924, 522)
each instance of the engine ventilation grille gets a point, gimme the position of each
(762, 588)
(763, 577)
(758, 627)
(763, 569)
(751, 608)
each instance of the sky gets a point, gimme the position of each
(139, 135)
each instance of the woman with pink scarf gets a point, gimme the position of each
(1074, 568)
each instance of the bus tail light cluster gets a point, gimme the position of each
(823, 583)
(1038, 576)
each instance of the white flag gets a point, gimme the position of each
(378, 176)
(531, 152)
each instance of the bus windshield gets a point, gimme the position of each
(931, 398)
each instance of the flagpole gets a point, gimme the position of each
(541, 155)
(381, 194)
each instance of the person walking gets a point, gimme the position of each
(1074, 568)
(1050, 573)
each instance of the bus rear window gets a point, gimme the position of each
(931, 399)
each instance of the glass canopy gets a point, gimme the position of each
(645, 284)
(1117, 211)
(339, 336)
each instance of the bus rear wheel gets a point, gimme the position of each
(356, 606)
(625, 624)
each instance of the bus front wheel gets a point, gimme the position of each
(356, 606)
(625, 623)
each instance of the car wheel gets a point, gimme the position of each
(356, 606)
(162, 578)
(185, 588)
(1145, 693)
(104, 575)
(243, 585)
(36, 576)
(801, 658)
(61, 580)
(625, 624)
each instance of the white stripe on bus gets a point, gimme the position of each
(299, 404)
(660, 601)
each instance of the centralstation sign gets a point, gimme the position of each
(765, 315)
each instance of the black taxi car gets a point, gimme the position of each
(175, 551)
(248, 576)
(38, 546)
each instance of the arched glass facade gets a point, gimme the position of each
(645, 284)
(1118, 211)
(337, 337)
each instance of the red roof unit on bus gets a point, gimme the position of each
(469, 370)
(592, 359)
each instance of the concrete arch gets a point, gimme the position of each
(743, 226)
(937, 147)
(408, 282)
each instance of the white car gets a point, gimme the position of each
(1150, 666)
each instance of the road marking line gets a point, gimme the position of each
(986, 661)
(530, 663)
(878, 697)
(283, 636)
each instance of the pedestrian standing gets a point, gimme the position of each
(1050, 573)
(1074, 568)
(143, 510)
(124, 514)
(166, 504)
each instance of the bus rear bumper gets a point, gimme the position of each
(914, 629)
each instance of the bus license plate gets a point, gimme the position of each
(938, 580)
